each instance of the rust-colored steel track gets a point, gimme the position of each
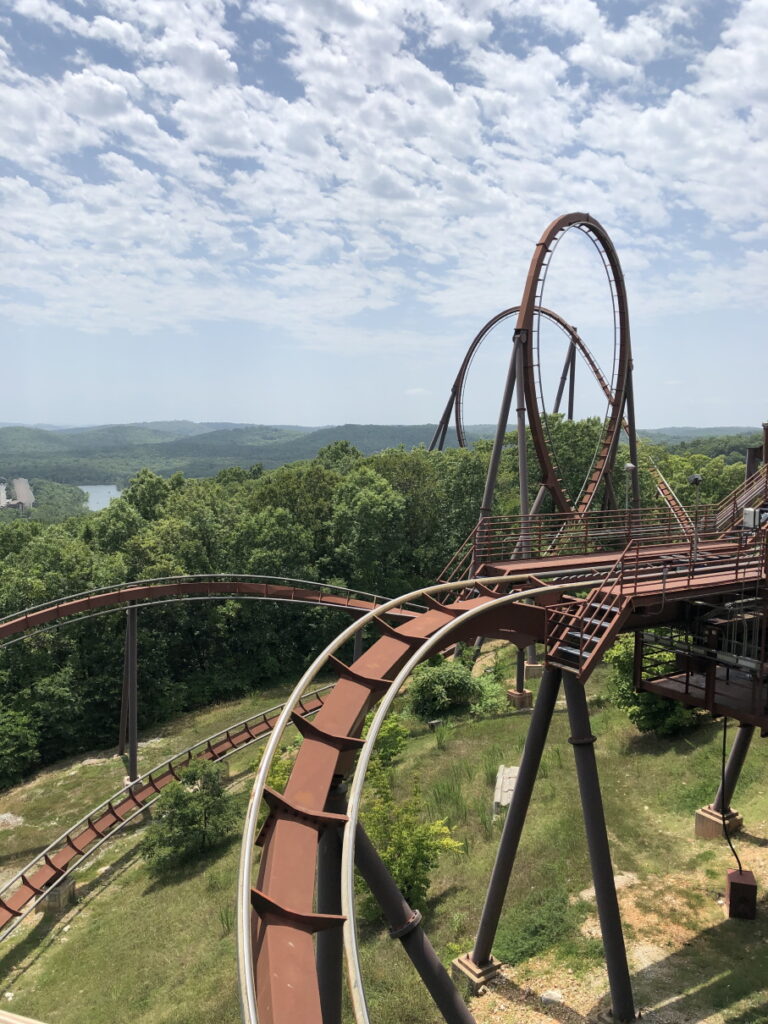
(530, 302)
(219, 585)
(458, 388)
(22, 893)
(277, 925)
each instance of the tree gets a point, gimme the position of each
(18, 746)
(409, 845)
(147, 492)
(191, 816)
(368, 529)
(441, 687)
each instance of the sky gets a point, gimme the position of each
(302, 211)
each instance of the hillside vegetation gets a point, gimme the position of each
(384, 523)
(115, 453)
(174, 940)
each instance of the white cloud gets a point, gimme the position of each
(171, 188)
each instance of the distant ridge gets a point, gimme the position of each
(113, 453)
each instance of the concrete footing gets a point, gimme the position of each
(533, 670)
(60, 898)
(741, 895)
(464, 969)
(520, 699)
(708, 823)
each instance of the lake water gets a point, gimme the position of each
(99, 495)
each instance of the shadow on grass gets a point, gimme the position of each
(713, 973)
(183, 871)
(651, 745)
(752, 840)
(721, 967)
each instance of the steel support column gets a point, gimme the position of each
(130, 690)
(736, 758)
(583, 741)
(520, 673)
(438, 438)
(122, 739)
(501, 430)
(329, 948)
(521, 339)
(405, 924)
(518, 809)
(632, 437)
(572, 382)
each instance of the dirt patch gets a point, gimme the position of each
(487, 659)
(10, 821)
(621, 881)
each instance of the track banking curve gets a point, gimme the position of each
(276, 918)
(25, 890)
(167, 589)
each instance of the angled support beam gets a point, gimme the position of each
(501, 430)
(736, 758)
(405, 925)
(583, 741)
(572, 381)
(513, 825)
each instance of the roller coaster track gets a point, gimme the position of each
(166, 589)
(277, 918)
(581, 577)
(22, 893)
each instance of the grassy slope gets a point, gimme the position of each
(651, 789)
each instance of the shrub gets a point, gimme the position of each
(441, 687)
(408, 845)
(646, 711)
(390, 741)
(191, 816)
(491, 699)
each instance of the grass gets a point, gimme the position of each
(160, 954)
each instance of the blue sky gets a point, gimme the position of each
(301, 211)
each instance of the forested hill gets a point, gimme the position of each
(114, 453)
(385, 523)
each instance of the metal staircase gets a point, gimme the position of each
(753, 492)
(579, 631)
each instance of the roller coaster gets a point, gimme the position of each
(690, 585)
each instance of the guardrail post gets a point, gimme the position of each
(583, 741)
